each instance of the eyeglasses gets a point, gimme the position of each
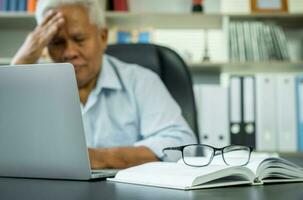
(200, 155)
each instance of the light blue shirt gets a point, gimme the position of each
(130, 106)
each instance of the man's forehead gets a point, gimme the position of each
(73, 31)
(73, 12)
(76, 17)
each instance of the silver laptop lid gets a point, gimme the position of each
(41, 130)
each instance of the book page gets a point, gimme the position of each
(171, 175)
(279, 169)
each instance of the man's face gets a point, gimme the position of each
(80, 43)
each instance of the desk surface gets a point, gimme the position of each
(11, 189)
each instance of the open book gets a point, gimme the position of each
(261, 169)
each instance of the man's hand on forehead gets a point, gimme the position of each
(39, 38)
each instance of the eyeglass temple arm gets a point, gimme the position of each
(172, 148)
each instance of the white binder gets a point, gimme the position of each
(266, 136)
(214, 115)
(235, 110)
(204, 136)
(286, 113)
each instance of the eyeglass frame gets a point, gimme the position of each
(215, 149)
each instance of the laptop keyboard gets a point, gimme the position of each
(104, 171)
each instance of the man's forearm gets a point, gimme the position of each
(120, 157)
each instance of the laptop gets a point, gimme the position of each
(41, 130)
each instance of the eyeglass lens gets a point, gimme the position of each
(236, 155)
(197, 155)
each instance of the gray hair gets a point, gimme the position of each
(95, 9)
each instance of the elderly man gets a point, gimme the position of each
(128, 114)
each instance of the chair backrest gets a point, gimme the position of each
(171, 69)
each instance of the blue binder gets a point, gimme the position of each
(299, 85)
(13, 5)
(5, 5)
(124, 37)
(22, 5)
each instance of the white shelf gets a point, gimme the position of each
(159, 20)
(286, 20)
(247, 68)
(115, 15)
(267, 15)
(129, 20)
(238, 68)
(164, 20)
(17, 15)
(17, 20)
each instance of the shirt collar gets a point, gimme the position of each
(108, 78)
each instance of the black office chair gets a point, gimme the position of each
(171, 69)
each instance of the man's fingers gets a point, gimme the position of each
(54, 20)
(50, 26)
(53, 24)
(49, 15)
(47, 32)
(52, 29)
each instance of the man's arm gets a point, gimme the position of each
(38, 39)
(120, 157)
